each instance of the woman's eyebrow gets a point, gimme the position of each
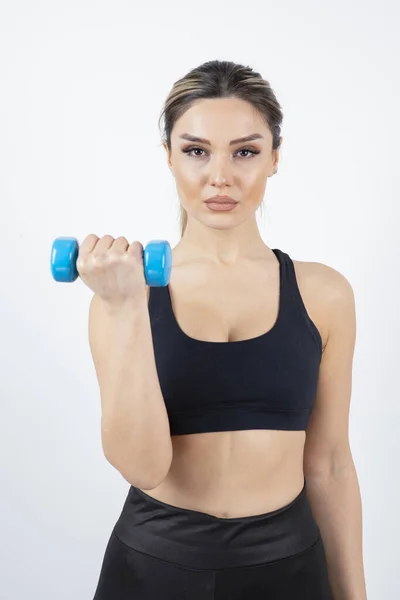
(247, 138)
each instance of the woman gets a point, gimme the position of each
(225, 395)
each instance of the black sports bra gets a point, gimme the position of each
(266, 382)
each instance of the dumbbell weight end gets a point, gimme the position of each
(64, 254)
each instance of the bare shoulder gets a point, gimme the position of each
(325, 280)
(324, 290)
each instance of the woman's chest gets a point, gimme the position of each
(239, 306)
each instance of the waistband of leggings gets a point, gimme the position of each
(197, 540)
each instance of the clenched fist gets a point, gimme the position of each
(112, 268)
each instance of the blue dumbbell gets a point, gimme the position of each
(157, 260)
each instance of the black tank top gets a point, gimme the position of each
(266, 382)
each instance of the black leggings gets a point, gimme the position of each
(161, 552)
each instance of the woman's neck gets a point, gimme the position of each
(220, 246)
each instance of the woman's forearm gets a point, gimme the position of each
(134, 426)
(336, 505)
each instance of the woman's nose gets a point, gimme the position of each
(220, 172)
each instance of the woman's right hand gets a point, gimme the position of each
(112, 268)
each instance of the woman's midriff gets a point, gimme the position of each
(234, 473)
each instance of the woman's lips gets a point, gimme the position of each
(221, 205)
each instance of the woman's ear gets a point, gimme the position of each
(168, 154)
(277, 156)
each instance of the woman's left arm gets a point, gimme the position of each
(331, 478)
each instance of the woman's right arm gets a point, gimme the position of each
(135, 429)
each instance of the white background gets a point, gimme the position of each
(82, 86)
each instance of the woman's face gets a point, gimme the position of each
(217, 165)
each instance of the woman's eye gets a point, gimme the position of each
(194, 150)
(246, 150)
(249, 151)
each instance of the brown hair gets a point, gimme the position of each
(221, 79)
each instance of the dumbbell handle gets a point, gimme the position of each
(157, 261)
